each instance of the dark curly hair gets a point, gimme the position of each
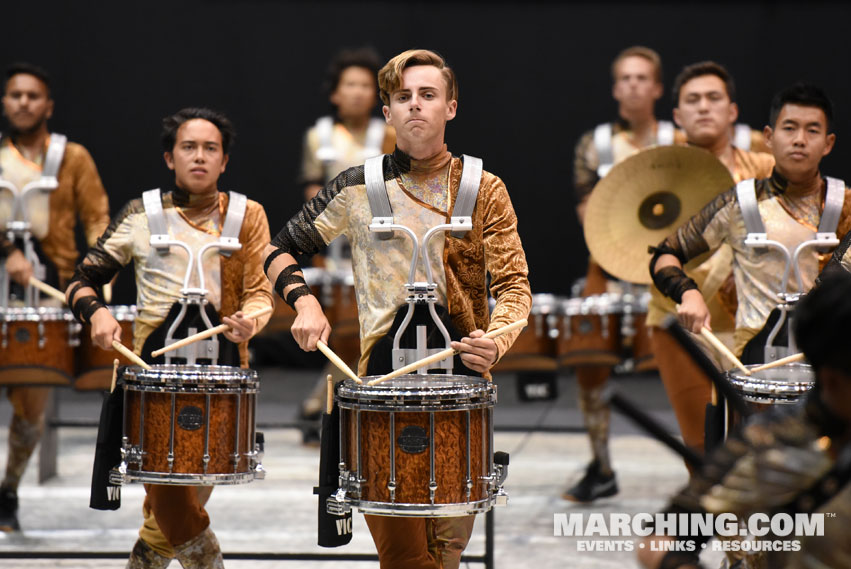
(172, 123)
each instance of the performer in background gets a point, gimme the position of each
(790, 203)
(776, 461)
(637, 85)
(704, 108)
(196, 144)
(422, 181)
(337, 142)
(28, 153)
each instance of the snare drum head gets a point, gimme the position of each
(782, 384)
(177, 377)
(427, 390)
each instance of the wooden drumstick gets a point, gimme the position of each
(782, 361)
(128, 353)
(114, 374)
(47, 289)
(329, 406)
(207, 333)
(719, 345)
(446, 353)
(337, 361)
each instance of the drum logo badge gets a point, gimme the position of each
(190, 418)
(413, 439)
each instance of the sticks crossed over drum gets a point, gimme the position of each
(719, 345)
(127, 353)
(446, 353)
(781, 362)
(208, 333)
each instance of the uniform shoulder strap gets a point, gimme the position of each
(742, 136)
(468, 191)
(374, 142)
(665, 133)
(54, 155)
(376, 192)
(229, 239)
(603, 145)
(152, 200)
(746, 195)
(325, 134)
(833, 202)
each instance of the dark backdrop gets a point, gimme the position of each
(532, 76)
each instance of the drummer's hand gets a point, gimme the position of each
(693, 312)
(20, 270)
(241, 328)
(477, 353)
(105, 329)
(310, 323)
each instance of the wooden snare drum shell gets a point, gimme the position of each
(588, 339)
(23, 362)
(535, 347)
(189, 444)
(412, 469)
(94, 365)
(642, 350)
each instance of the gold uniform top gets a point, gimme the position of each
(711, 274)
(54, 214)
(349, 152)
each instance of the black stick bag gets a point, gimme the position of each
(105, 495)
(333, 531)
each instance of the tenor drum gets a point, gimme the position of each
(37, 345)
(418, 445)
(535, 347)
(189, 425)
(589, 331)
(94, 365)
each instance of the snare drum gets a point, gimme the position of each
(635, 337)
(782, 385)
(418, 445)
(94, 365)
(189, 425)
(535, 347)
(338, 298)
(37, 345)
(589, 331)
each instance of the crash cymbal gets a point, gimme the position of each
(645, 198)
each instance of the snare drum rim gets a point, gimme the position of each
(181, 378)
(391, 395)
(760, 390)
(423, 510)
(124, 312)
(33, 314)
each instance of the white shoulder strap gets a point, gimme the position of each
(468, 191)
(603, 145)
(833, 202)
(229, 239)
(742, 136)
(746, 195)
(325, 134)
(376, 193)
(54, 155)
(374, 138)
(665, 133)
(152, 200)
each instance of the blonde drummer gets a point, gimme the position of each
(196, 145)
(422, 181)
(29, 157)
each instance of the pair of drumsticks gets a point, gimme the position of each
(443, 354)
(712, 339)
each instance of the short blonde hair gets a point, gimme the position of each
(639, 51)
(390, 76)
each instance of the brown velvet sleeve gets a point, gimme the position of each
(89, 193)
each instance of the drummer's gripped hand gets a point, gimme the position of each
(105, 329)
(693, 312)
(20, 270)
(310, 323)
(477, 353)
(241, 328)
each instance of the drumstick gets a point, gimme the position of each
(719, 345)
(330, 403)
(207, 333)
(782, 361)
(128, 353)
(47, 289)
(335, 359)
(114, 374)
(446, 353)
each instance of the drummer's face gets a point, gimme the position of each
(198, 158)
(799, 140)
(636, 87)
(26, 103)
(704, 110)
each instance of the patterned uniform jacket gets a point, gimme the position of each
(235, 283)
(459, 265)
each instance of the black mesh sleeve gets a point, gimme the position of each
(671, 281)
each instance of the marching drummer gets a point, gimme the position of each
(794, 203)
(196, 144)
(336, 143)
(43, 245)
(705, 108)
(421, 180)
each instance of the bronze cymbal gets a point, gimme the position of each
(645, 198)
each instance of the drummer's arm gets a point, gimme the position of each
(87, 307)
(672, 281)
